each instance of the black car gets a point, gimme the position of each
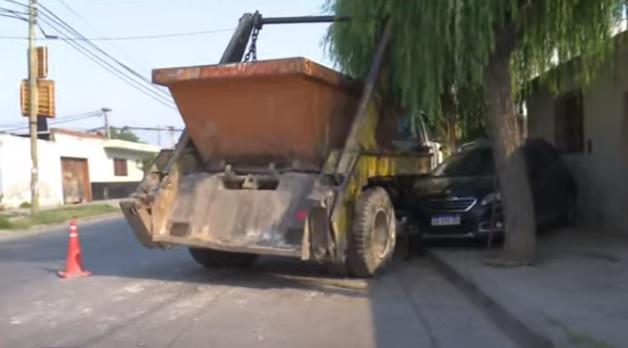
(460, 197)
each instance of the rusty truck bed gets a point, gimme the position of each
(285, 111)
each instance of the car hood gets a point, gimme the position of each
(441, 186)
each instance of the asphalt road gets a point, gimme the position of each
(153, 298)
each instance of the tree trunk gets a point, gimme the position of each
(520, 222)
(449, 106)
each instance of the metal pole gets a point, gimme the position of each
(171, 131)
(106, 117)
(303, 19)
(33, 102)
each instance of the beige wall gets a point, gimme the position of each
(602, 174)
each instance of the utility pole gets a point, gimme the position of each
(33, 101)
(106, 117)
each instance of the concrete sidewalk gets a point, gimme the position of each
(576, 295)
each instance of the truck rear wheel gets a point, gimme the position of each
(372, 238)
(222, 259)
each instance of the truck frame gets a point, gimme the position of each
(341, 214)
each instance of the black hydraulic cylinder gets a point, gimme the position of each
(301, 19)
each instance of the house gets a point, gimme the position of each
(73, 167)
(589, 126)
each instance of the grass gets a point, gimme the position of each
(56, 215)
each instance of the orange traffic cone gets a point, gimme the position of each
(73, 264)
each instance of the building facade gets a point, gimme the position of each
(73, 167)
(589, 126)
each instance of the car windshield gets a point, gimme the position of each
(477, 161)
(411, 129)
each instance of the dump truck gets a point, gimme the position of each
(279, 157)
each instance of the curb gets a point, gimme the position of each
(40, 229)
(516, 327)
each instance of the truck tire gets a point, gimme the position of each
(210, 258)
(372, 238)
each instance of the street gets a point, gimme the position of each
(151, 298)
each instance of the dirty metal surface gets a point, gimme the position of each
(282, 111)
(206, 213)
(262, 69)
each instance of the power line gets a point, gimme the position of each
(120, 74)
(116, 68)
(16, 17)
(14, 14)
(61, 26)
(59, 121)
(124, 66)
(113, 38)
(69, 8)
(17, 124)
(163, 128)
(89, 25)
(127, 38)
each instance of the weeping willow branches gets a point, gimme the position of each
(440, 43)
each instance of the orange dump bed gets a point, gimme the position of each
(284, 111)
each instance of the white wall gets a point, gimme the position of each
(15, 171)
(134, 165)
(100, 159)
(601, 175)
(15, 164)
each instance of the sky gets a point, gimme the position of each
(83, 86)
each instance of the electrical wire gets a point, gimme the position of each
(114, 38)
(108, 45)
(12, 16)
(127, 38)
(116, 67)
(121, 75)
(89, 113)
(60, 21)
(58, 121)
(147, 89)
(69, 8)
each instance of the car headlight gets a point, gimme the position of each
(490, 198)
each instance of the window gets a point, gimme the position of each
(411, 128)
(120, 167)
(476, 161)
(569, 123)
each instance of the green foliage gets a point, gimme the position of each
(25, 205)
(441, 43)
(5, 224)
(124, 134)
(56, 215)
(465, 114)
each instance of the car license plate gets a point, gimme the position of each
(446, 220)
